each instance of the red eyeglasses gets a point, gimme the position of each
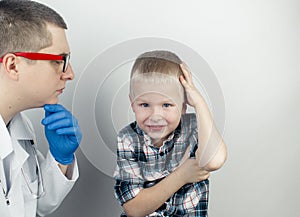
(44, 56)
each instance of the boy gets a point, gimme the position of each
(159, 169)
(34, 69)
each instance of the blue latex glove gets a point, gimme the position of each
(62, 132)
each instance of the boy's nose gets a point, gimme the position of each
(156, 114)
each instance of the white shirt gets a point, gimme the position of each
(17, 154)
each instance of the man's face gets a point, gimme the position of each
(42, 81)
(158, 108)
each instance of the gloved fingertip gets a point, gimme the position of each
(46, 106)
(43, 122)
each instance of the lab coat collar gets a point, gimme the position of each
(6, 144)
(20, 129)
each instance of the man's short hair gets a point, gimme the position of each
(23, 26)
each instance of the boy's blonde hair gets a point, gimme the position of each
(158, 67)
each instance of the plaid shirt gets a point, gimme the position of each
(141, 165)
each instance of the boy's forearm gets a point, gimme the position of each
(150, 199)
(211, 147)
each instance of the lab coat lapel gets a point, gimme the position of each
(15, 192)
(19, 159)
(15, 195)
(19, 132)
(3, 183)
(5, 150)
(4, 211)
(3, 206)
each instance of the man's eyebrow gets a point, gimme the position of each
(64, 53)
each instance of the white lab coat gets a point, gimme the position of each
(16, 149)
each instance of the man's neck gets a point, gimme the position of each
(7, 111)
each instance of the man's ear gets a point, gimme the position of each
(9, 63)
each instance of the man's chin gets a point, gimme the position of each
(52, 101)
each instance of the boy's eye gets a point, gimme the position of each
(144, 105)
(167, 105)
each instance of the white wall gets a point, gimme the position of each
(253, 48)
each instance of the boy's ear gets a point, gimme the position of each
(131, 102)
(9, 63)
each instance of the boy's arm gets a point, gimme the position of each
(211, 150)
(211, 147)
(150, 199)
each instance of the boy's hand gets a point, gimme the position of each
(62, 132)
(191, 172)
(192, 94)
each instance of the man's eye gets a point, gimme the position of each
(145, 105)
(57, 62)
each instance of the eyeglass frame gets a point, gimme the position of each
(45, 56)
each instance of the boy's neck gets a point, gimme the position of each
(158, 142)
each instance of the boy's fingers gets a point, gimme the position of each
(183, 81)
(186, 72)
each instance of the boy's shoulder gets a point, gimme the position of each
(129, 130)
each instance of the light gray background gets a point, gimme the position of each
(253, 47)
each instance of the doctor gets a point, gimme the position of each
(34, 69)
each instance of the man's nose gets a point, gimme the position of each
(69, 74)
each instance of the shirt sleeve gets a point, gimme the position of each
(128, 174)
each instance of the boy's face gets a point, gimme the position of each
(158, 108)
(42, 81)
